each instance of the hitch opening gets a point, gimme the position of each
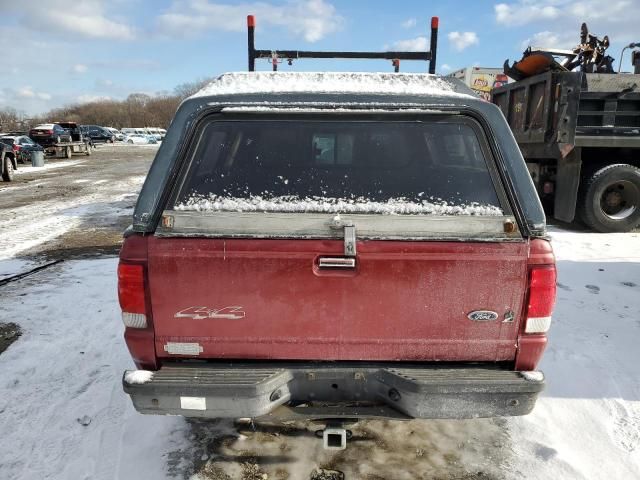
(334, 438)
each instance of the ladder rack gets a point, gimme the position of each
(277, 56)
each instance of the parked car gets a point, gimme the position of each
(317, 263)
(22, 146)
(152, 138)
(157, 133)
(49, 134)
(137, 138)
(98, 134)
(118, 135)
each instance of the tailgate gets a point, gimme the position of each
(237, 298)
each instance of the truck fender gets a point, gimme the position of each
(567, 185)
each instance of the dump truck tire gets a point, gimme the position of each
(610, 200)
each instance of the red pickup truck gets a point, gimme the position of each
(337, 246)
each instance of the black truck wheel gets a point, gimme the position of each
(610, 200)
(7, 171)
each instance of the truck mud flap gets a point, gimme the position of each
(296, 391)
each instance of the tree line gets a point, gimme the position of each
(137, 110)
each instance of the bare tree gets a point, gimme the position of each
(137, 110)
(187, 89)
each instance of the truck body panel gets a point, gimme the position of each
(337, 255)
(268, 299)
(553, 112)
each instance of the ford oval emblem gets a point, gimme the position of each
(482, 316)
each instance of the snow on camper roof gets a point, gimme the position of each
(331, 82)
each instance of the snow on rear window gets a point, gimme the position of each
(339, 166)
(393, 206)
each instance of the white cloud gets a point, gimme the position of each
(524, 12)
(88, 18)
(462, 40)
(27, 92)
(549, 39)
(558, 21)
(418, 44)
(79, 68)
(309, 19)
(104, 82)
(88, 98)
(445, 67)
(410, 23)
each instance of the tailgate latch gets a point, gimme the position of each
(349, 241)
(349, 234)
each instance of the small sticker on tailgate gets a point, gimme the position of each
(176, 348)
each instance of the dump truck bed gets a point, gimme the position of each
(554, 112)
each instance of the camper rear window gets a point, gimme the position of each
(394, 167)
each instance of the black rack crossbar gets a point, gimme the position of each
(289, 55)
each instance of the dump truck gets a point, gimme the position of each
(579, 132)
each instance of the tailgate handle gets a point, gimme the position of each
(336, 262)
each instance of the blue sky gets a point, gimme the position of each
(79, 50)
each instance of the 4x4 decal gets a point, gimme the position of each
(197, 313)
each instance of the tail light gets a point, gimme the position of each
(542, 298)
(15, 147)
(131, 285)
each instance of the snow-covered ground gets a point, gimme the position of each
(69, 197)
(63, 414)
(587, 424)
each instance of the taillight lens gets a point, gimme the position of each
(131, 295)
(15, 147)
(542, 298)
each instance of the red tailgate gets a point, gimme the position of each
(267, 299)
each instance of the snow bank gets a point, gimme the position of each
(49, 165)
(586, 424)
(393, 206)
(64, 414)
(330, 82)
